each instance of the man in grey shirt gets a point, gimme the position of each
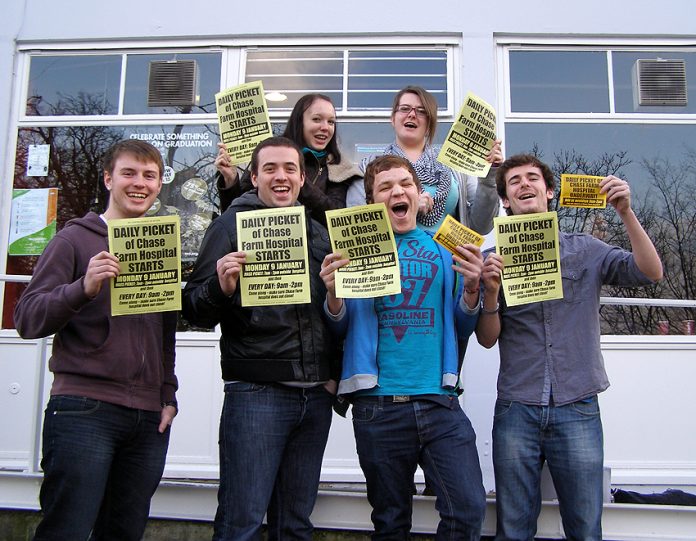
(551, 366)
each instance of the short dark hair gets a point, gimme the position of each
(278, 141)
(294, 129)
(141, 150)
(519, 160)
(385, 163)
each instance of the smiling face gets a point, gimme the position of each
(318, 124)
(526, 191)
(279, 177)
(411, 127)
(133, 187)
(399, 192)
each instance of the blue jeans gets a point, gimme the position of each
(570, 439)
(102, 464)
(272, 441)
(393, 438)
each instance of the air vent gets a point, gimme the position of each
(172, 83)
(660, 82)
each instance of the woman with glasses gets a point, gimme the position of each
(473, 202)
(312, 125)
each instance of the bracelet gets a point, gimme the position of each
(471, 291)
(497, 307)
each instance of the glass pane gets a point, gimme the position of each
(74, 85)
(559, 82)
(75, 156)
(375, 76)
(137, 77)
(367, 100)
(292, 74)
(661, 169)
(358, 140)
(626, 100)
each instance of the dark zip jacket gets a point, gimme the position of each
(280, 343)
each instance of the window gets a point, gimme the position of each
(90, 85)
(74, 85)
(577, 110)
(358, 81)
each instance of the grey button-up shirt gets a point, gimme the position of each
(557, 341)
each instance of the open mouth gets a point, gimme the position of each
(137, 196)
(527, 196)
(410, 125)
(400, 209)
(281, 189)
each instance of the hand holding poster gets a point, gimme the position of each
(364, 235)
(470, 138)
(452, 234)
(528, 244)
(149, 252)
(277, 268)
(582, 191)
(243, 117)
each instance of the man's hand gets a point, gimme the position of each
(618, 193)
(468, 263)
(495, 155)
(102, 266)
(328, 275)
(166, 417)
(228, 269)
(491, 273)
(223, 162)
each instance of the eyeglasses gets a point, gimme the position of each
(406, 110)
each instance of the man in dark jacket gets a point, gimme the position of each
(106, 428)
(279, 365)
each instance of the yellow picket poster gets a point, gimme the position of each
(470, 138)
(582, 191)
(452, 234)
(277, 267)
(149, 252)
(243, 117)
(364, 235)
(528, 244)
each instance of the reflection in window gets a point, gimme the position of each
(559, 82)
(137, 81)
(74, 85)
(624, 81)
(373, 75)
(291, 74)
(659, 162)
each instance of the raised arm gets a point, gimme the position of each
(619, 196)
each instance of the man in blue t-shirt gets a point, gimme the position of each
(401, 369)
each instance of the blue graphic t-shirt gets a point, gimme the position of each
(409, 352)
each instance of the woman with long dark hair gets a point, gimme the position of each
(312, 125)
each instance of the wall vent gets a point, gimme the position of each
(660, 82)
(172, 83)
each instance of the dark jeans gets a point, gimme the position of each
(272, 441)
(102, 464)
(569, 438)
(393, 438)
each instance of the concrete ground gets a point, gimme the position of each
(20, 525)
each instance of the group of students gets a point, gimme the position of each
(396, 359)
